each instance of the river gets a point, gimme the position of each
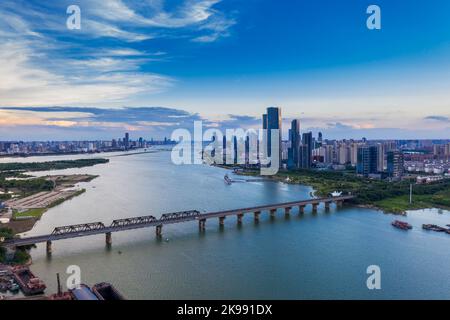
(322, 256)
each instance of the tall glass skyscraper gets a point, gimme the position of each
(367, 160)
(306, 150)
(273, 122)
(295, 140)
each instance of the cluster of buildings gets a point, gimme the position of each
(375, 159)
(57, 147)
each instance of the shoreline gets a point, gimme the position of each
(315, 192)
(52, 154)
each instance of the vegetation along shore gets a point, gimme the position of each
(389, 196)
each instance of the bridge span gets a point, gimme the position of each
(95, 228)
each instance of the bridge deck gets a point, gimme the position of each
(99, 228)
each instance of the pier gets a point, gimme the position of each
(95, 228)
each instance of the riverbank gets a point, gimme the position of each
(25, 198)
(386, 196)
(25, 211)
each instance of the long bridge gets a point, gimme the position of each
(95, 228)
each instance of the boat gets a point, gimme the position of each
(83, 292)
(401, 225)
(28, 282)
(433, 227)
(227, 179)
(106, 291)
(14, 288)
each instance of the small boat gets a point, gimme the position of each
(401, 225)
(14, 287)
(433, 227)
(227, 179)
(106, 291)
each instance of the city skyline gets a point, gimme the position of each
(152, 67)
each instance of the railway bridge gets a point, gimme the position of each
(95, 228)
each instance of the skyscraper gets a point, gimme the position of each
(306, 150)
(224, 149)
(264, 121)
(381, 158)
(235, 150)
(395, 164)
(273, 123)
(367, 162)
(126, 141)
(294, 139)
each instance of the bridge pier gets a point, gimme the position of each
(273, 213)
(256, 215)
(49, 247)
(327, 205)
(202, 224)
(239, 218)
(339, 203)
(301, 209)
(159, 230)
(314, 207)
(287, 211)
(221, 221)
(108, 238)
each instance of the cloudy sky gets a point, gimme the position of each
(151, 66)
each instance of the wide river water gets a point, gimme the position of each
(322, 256)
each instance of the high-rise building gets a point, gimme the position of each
(367, 162)
(328, 154)
(247, 150)
(306, 150)
(295, 142)
(262, 149)
(264, 121)
(235, 150)
(343, 154)
(353, 154)
(224, 149)
(273, 123)
(381, 157)
(126, 140)
(447, 150)
(395, 164)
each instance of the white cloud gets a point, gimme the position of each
(23, 83)
(102, 29)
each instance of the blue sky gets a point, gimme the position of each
(151, 66)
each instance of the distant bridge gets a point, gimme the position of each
(95, 228)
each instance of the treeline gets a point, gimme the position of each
(26, 186)
(376, 191)
(367, 191)
(51, 165)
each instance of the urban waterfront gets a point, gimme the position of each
(321, 256)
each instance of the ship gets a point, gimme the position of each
(401, 225)
(227, 179)
(106, 291)
(434, 227)
(83, 292)
(28, 282)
